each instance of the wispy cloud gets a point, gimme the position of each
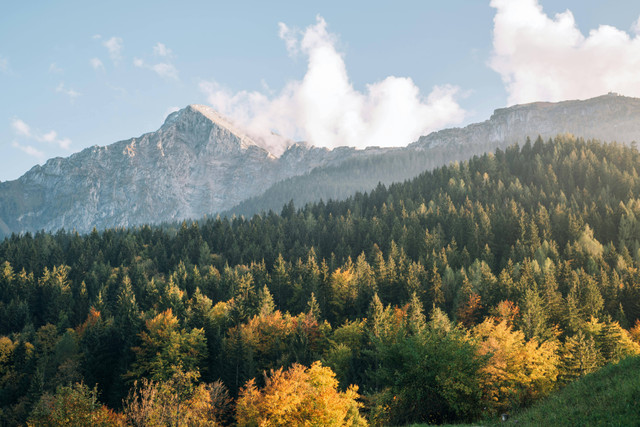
(165, 68)
(29, 149)
(4, 64)
(161, 50)
(72, 94)
(22, 129)
(53, 68)
(114, 45)
(326, 110)
(96, 64)
(541, 58)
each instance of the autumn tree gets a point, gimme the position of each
(517, 371)
(299, 396)
(166, 348)
(73, 405)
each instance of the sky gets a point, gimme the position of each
(74, 74)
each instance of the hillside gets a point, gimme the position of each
(607, 397)
(199, 164)
(608, 118)
(472, 290)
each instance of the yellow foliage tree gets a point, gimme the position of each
(73, 405)
(517, 371)
(156, 404)
(165, 346)
(299, 396)
(635, 332)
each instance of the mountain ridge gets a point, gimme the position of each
(199, 163)
(609, 117)
(194, 165)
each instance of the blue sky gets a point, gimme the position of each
(75, 73)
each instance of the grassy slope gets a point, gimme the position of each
(608, 397)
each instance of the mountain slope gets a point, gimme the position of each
(609, 396)
(196, 164)
(608, 118)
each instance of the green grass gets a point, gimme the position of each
(608, 397)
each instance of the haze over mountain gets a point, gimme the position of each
(198, 164)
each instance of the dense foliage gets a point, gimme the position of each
(361, 173)
(473, 289)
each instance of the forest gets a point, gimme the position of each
(472, 290)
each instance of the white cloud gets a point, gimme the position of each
(22, 129)
(72, 94)
(96, 64)
(165, 69)
(548, 59)
(51, 137)
(161, 50)
(29, 149)
(114, 46)
(635, 27)
(324, 108)
(290, 37)
(4, 64)
(53, 68)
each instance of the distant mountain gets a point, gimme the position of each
(607, 118)
(196, 164)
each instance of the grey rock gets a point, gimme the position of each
(609, 117)
(198, 164)
(195, 165)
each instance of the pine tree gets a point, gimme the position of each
(266, 306)
(313, 308)
(436, 294)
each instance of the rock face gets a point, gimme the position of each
(609, 117)
(196, 164)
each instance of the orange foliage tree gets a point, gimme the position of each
(299, 396)
(517, 371)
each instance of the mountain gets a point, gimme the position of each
(609, 117)
(196, 164)
(525, 262)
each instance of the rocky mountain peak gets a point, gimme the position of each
(202, 125)
(196, 164)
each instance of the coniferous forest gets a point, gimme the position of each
(472, 290)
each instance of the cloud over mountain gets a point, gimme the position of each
(325, 109)
(548, 59)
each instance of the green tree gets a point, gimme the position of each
(166, 348)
